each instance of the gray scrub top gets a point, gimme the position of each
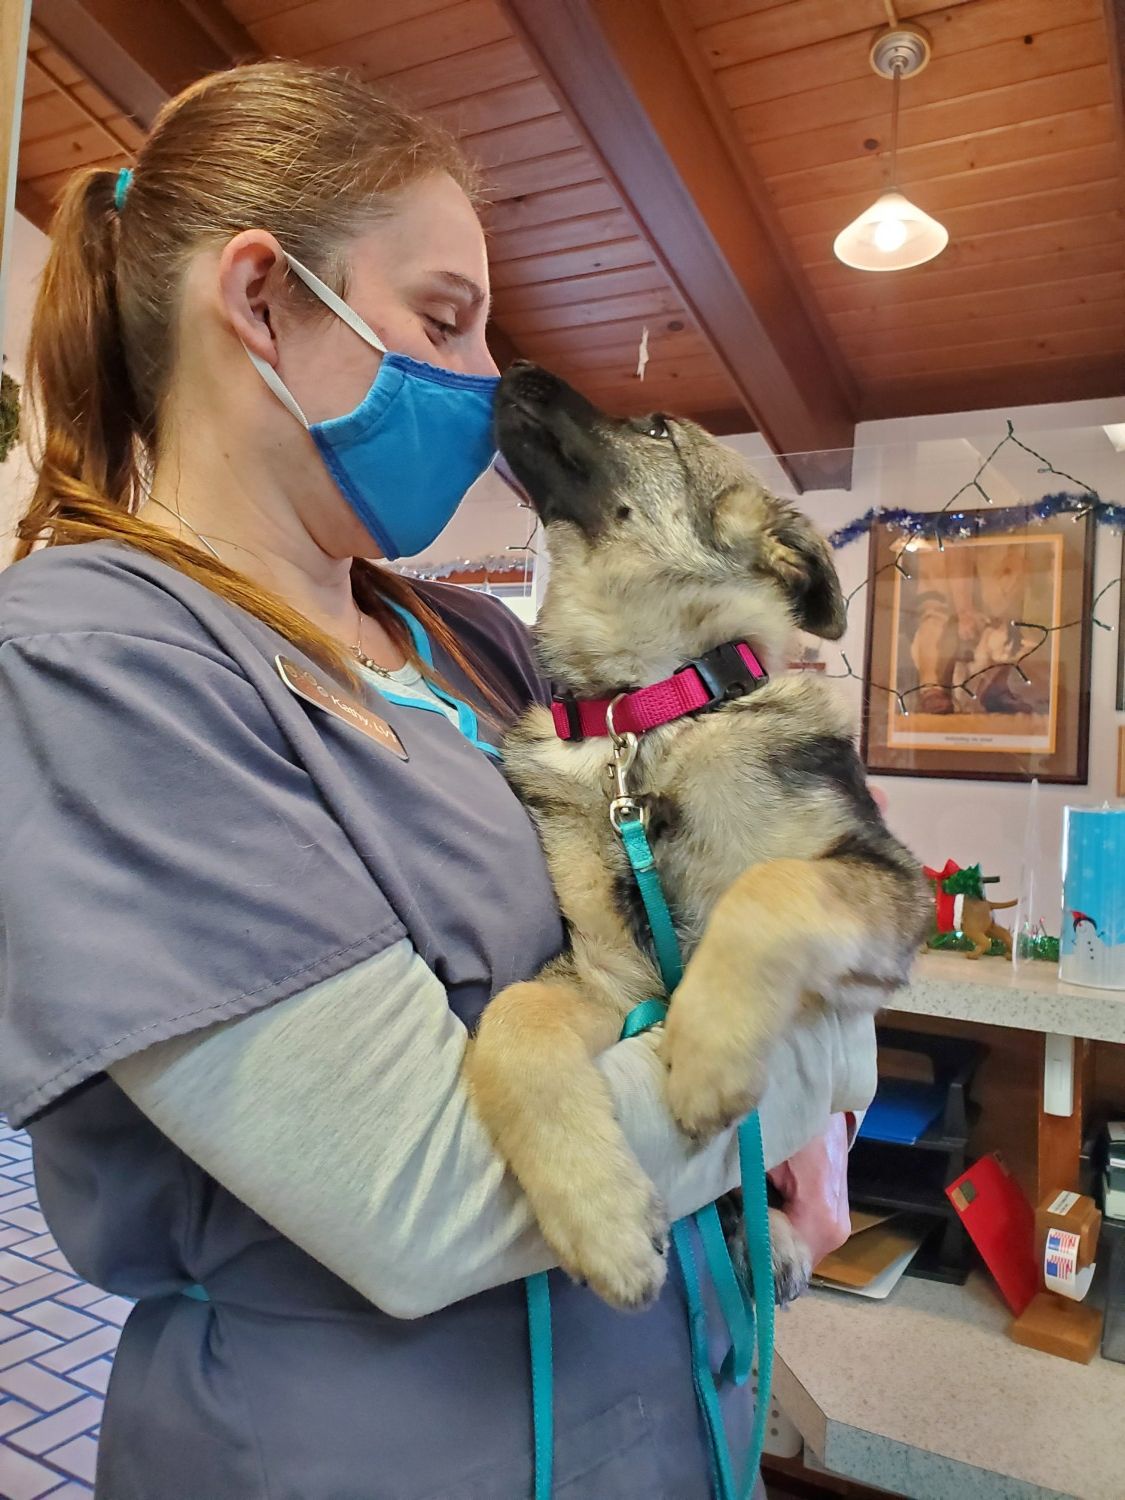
(184, 840)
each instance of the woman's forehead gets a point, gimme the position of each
(433, 231)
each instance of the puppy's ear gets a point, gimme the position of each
(796, 554)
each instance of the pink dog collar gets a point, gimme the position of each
(729, 671)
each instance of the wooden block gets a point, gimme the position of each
(1075, 1213)
(1069, 1329)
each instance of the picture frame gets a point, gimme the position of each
(977, 663)
(1121, 638)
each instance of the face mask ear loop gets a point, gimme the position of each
(276, 385)
(336, 304)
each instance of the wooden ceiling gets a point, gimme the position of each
(684, 165)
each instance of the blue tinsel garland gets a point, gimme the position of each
(965, 523)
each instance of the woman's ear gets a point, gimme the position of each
(796, 554)
(252, 272)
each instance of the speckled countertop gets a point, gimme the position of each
(926, 1396)
(990, 990)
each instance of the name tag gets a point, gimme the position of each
(332, 699)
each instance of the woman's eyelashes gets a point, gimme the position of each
(440, 329)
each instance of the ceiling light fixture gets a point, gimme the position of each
(893, 233)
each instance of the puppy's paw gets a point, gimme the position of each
(792, 1264)
(610, 1230)
(710, 1085)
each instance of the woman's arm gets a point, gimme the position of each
(396, 1187)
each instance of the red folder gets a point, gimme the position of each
(1001, 1224)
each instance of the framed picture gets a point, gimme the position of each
(1121, 637)
(967, 674)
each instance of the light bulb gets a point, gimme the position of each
(890, 234)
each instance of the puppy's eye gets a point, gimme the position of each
(656, 426)
(623, 512)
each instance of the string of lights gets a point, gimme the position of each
(946, 523)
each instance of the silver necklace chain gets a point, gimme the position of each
(357, 650)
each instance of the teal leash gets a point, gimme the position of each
(743, 1318)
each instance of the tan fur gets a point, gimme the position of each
(785, 887)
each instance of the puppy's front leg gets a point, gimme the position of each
(550, 1113)
(784, 929)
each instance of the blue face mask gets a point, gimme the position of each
(405, 456)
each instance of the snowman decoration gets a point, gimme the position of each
(1088, 955)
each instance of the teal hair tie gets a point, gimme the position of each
(123, 184)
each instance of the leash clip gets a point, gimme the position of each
(624, 807)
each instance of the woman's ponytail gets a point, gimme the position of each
(84, 415)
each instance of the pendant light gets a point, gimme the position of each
(893, 233)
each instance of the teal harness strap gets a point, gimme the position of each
(538, 1292)
(664, 939)
(738, 1312)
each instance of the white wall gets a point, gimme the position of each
(919, 463)
(29, 256)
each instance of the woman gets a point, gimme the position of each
(259, 871)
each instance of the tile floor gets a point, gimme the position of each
(57, 1337)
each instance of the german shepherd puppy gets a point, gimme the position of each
(785, 887)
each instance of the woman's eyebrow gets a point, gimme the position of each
(464, 286)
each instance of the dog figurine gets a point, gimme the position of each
(785, 887)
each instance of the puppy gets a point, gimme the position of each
(785, 887)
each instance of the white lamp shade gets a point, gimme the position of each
(890, 236)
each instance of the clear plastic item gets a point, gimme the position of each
(1092, 950)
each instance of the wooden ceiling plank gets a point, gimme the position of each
(533, 269)
(917, 165)
(619, 341)
(986, 326)
(1031, 350)
(864, 101)
(801, 24)
(513, 104)
(87, 145)
(447, 32)
(596, 287)
(247, 11)
(299, 29)
(75, 102)
(930, 282)
(1078, 292)
(978, 219)
(538, 174)
(954, 31)
(1056, 380)
(984, 185)
(137, 56)
(564, 234)
(448, 78)
(517, 143)
(51, 186)
(703, 13)
(642, 307)
(530, 210)
(954, 120)
(637, 100)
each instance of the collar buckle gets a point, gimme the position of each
(725, 674)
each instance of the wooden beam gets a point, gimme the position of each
(15, 18)
(1115, 36)
(139, 56)
(620, 71)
